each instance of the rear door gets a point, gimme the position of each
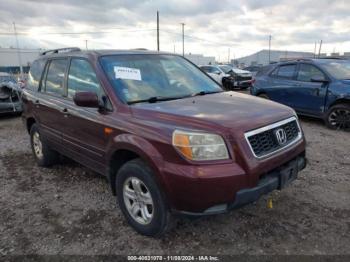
(308, 96)
(281, 81)
(84, 134)
(48, 101)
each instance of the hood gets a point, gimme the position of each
(241, 72)
(226, 110)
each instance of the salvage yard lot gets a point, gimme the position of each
(69, 209)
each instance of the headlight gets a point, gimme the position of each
(200, 146)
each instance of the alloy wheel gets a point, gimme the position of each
(138, 200)
(340, 119)
(37, 145)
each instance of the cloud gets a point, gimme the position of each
(211, 26)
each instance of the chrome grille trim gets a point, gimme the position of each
(272, 126)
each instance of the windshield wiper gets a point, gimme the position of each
(202, 93)
(154, 99)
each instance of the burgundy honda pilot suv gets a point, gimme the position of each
(165, 134)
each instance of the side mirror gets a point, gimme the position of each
(319, 79)
(218, 73)
(86, 99)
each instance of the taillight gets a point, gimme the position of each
(253, 81)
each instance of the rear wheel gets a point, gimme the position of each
(43, 154)
(338, 117)
(141, 200)
(263, 95)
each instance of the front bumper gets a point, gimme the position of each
(276, 179)
(244, 83)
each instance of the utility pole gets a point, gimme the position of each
(269, 49)
(228, 57)
(174, 49)
(315, 49)
(86, 44)
(183, 39)
(18, 51)
(319, 50)
(158, 31)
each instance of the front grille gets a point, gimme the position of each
(264, 141)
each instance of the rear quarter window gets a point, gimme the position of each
(34, 75)
(265, 70)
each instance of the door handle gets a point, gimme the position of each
(65, 112)
(37, 103)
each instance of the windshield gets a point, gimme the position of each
(141, 77)
(226, 69)
(337, 69)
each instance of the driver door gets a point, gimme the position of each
(308, 95)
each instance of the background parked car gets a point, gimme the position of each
(252, 69)
(10, 95)
(239, 78)
(217, 74)
(313, 87)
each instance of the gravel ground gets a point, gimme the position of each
(69, 210)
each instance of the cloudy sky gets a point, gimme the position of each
(212, 27)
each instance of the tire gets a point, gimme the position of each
(338, 117)
(226, 84)
(263, 95)
(136, 174)
(43, 154)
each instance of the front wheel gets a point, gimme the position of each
(338, 117)
(141, 200)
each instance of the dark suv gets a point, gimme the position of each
(158, 128)
(313, 87)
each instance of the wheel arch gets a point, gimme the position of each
(30, 121)
(128, 147)
(343, 100)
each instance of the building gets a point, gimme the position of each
(262, 57)
(199, 59)
(9, 61)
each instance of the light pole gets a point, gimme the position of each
(183, 39)
(158, 31)
(18, 51)
(269, 49)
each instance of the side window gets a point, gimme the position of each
(215, 70)
(205, 69)
(286, 71)
(55, 76)
(306, 72)
(34, 74)
(82, 77)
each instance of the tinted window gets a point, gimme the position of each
(82, 77)
(205, 68)
(265, 70)
(286, 71)
(139, 77)
(34, 75)
(55, 76)
(215, 70)
(306, 72)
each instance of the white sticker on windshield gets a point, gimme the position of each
(127, 73)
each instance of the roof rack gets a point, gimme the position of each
(61, 50)
(291, 59)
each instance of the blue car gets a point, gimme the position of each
(313, 87)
